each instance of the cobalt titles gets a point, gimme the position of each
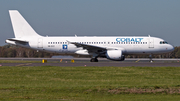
(129, 39)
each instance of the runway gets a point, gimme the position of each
(102, 62)
(95, 64)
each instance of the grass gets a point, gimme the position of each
(89, 83)
(19, 61)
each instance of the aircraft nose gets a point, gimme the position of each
(170, 48)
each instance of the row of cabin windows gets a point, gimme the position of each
(57, 42)
(100, 42)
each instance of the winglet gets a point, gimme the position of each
(68, 41)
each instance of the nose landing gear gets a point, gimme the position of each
(150, 57)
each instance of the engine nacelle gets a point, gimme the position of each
(115, 55)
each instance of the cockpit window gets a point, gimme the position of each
(163, 42)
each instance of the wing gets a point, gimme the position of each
(90, 48)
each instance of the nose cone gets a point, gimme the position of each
(170, 48)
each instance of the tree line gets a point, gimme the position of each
(17, 51)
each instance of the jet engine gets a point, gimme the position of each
(115, 55)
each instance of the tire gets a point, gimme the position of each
(94, 60)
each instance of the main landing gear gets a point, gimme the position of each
(94, 60)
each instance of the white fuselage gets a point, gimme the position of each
(128, 45)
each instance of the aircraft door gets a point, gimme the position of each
(40, 43)
(151, 43)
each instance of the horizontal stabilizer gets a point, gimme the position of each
(17, 40)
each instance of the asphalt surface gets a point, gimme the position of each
(102, 62)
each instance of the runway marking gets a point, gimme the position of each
(138, 60)
(24, 64)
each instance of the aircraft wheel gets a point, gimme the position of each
(94, 60)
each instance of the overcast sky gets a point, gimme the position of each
(159, 18)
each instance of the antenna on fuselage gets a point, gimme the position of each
(149, 35)
(75, 35)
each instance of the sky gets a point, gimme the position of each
(158, 18)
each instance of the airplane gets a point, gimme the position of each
(110, 47)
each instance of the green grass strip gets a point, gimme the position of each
(89, 83)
